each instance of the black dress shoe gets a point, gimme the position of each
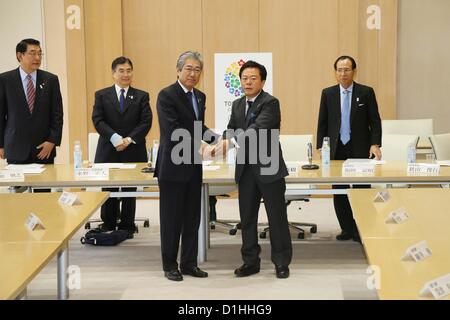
(357, 238)
(344, 236)
(246, 270)
(282, 272)
(195, 272)
(130, 233)
(173, 275)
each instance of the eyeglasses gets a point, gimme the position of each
(344, 70)
(34, 54)
(195, 70)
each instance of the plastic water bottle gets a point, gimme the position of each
(77, 155)
(155, 152)
(411, 153)
(326, 152)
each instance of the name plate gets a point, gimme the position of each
(398, 216)
(352, 169)
(7, 175)
(382, 196)
(418, 252)
(292, 168)
(423, 169)
(68, 198)
(33, 222)
(83, 173)
(438, 288)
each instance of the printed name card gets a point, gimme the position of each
(398, 216)
(382, 196)
(418, 252)
(438, 288)
(7, 175)
(292, 168)
(358, 169)
(33, 222)
(68, 198)
(83, 173)
(423, 169)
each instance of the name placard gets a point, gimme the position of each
(68, 198)
(438, 288)
(418, 252)
(7, 175)
(83, 173)
(357, 169)
(33, 222)
(292, 168)
(382, 196)
(423, 169)
(398, 216)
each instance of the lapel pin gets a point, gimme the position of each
(131, 97)
(41, 86)
(357, 99)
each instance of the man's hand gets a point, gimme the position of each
(376, 151)
(46, 151)
(2, 153)
(221, 148)
(125, 143)
(206, 151)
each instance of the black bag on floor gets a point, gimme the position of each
(101, 238)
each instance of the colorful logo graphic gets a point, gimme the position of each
(232, 82)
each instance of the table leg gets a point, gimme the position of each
(203, 230)
(63, 262)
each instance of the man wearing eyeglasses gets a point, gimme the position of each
(349, 115)
(181, 109)
(31, 111)
(123, 118)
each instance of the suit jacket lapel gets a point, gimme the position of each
(39, 82)
(200, 105)
(128, 99)
(112, 96)
(355, 95)
(19, 88)
(184, 99)
(254, 107)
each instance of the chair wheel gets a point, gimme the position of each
(301, 236)
(263, 235)
(232, 232)
(313, 230)
(213, 227)
(87, 225)
(146, 224)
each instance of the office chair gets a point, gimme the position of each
(214, 191)
(92, 148)
(441, 146)
(295, 149)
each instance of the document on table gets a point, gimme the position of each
(443, 163)
(32, 168)
(364, 161)
(114, 165)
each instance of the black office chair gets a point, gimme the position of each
(232, 225)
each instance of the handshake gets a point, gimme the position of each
(217, 151)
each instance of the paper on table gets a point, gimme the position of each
(211, 168)
(443, 163)
(23, 166)
(114, 165)
(364, 161)
(29, 170)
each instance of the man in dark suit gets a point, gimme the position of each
(257, 115)
(181, 111)
(31, 111)
(122, 117)
(349, 116)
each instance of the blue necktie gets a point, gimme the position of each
(122, 99)
(191, 98)
(345, 118)
(247, 113)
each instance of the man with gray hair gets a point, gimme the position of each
(181, 108)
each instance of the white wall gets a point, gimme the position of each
(19, 19)
(424, 62)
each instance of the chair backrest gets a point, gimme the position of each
(92, 145)
(441, 146)
(421, 127)
(295, 147)
(395, 146)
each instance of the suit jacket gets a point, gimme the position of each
(264, 114)
(175, 112)
(134, 122)
(365, 122)
(21, 131)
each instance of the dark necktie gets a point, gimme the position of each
(31, 93)
(122, 99)
(193, 103)
(247, 114)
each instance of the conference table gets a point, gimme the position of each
(25, 252)
(388, 174)
(386, 242)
